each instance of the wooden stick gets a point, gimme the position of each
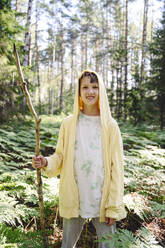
(37, 147)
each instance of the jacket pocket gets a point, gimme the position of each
(68, 196)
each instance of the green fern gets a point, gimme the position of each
(10, 212)
(138, 204)
(146, 236)
(144, 174)
(15, 238)
(158, 209)
(123, 238)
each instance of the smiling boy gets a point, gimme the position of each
(89, 158)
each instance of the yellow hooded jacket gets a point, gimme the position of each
(62, 162)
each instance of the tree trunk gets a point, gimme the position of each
(144, 37)
(126, 60)
(52, 101)
(37, 68)
(62, 68)
(72, 66)
(117, 90)
(54, 53)
(49, 88)
(26, 59)
(103, 47)
(162, 111)
(112, 81)
(82, 53)
(86, 48)
(107, 44)
(120, 103)
(96, 55)
(112, 89)
(16, 6)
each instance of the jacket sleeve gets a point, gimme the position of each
(114, 205)
(55, 161)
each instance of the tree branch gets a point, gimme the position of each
(37, 147)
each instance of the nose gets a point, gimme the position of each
(91, 91)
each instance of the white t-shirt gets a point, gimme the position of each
(88, 165)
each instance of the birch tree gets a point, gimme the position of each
(62, 53)
(26, 59)
(37, 67)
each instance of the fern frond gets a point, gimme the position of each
(146, 236)
(9, 211)
(137, 203)
(123, 238)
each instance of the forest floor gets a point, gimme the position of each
(144, 226)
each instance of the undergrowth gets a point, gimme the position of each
(124, 238)
(19, 210)
(144, 186)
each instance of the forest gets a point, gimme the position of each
(122, 40)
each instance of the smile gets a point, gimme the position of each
(90, 97)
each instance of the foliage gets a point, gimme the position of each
(9, 28)
(144, 163)
(156, 81)
(18, 190)
(126, 239)
(14, 238)
(19, 212)
(97, 41)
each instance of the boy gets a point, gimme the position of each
(89, 158)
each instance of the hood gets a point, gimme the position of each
(105, 113)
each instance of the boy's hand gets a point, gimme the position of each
(39, 162)
(110, 221)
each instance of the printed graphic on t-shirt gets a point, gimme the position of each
(88, 167)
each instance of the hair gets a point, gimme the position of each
(91, 75)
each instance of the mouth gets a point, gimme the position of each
(90, 97)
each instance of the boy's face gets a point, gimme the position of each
(89, 92)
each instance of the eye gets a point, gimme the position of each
(95, 87)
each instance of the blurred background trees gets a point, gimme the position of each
(57, 39)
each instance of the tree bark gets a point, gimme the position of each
(27, 59)
(82, 52)
(107, 44)
(86, 48)
(117, 90)
(144, 37)
(62, 69)
(162, 110)
(126, 60)
(49, 88)
(112, 81)
(72, 66)
(96, 55)
(16, 5)
(37, 57)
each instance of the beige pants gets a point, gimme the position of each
(72, 229)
